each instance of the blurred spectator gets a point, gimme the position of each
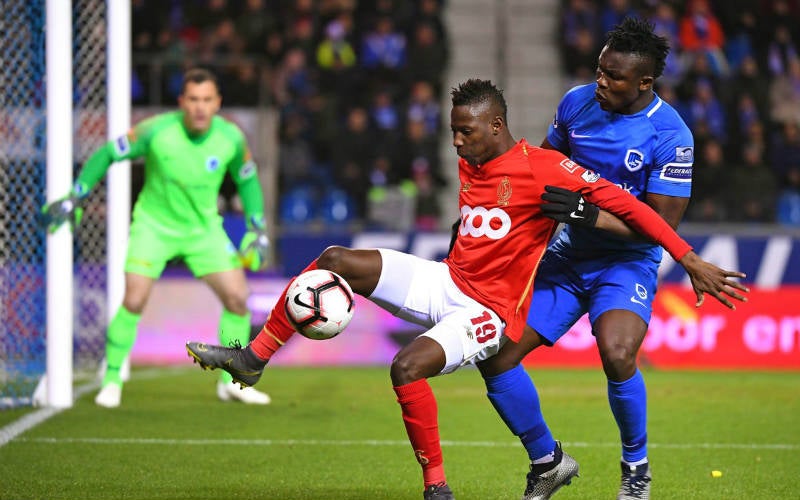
(701, 32)
(753, 188)
(613, 13)
(785, 149)
(423, 106)
(383, 50)
(580, 58)
(788, 206)
(781, 51)
(706, 110)
(427, 56)
(784, 94)
(353, 155)
(708, 202)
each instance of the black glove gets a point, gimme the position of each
(569, 207)
(453, 234)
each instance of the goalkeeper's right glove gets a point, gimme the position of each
(66, 209)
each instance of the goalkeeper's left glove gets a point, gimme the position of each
(569, 207)
(66, 209)
(254, 247)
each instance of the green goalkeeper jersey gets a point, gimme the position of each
(183, 173)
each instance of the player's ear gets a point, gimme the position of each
(646, 83)
(497, 124)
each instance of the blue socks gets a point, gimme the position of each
(515, 398)
(628, 402)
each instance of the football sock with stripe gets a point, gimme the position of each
(628, 402)
(517, 402)
(233, 328)
(277, 329)
(421, 418)
(119, 341)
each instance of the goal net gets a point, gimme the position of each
(23, 124)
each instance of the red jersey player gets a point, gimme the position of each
(478, 298)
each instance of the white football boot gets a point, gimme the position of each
(110, 396)
(231, 392)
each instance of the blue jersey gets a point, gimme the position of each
(647, 152)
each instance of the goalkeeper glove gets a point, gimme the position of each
(254, 247)
(65, 209)
(569, 207)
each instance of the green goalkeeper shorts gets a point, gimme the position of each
(205, 252)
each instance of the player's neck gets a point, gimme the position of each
(642, 102)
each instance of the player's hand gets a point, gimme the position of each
(66, 209)
(453, 234)
(569, 207)
(254, 250)
(710, 279)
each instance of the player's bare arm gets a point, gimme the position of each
(710, 279)
(670, 208)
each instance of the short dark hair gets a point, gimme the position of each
(199, 75)
(475, 91)
(636, 36)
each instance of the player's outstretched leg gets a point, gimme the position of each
(543, 485)
(438, 492)
(635, 483)
(244, 366)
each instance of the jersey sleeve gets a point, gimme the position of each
(132, 144)
(564, 173)
(244, 171)
(558, 129)
(674, 157)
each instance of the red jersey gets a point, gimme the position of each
(504, 234)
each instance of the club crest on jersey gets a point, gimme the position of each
(504, 192)
(634, 160)
(641, 291)
(212, 163)
(684, 154)
(590, 176)
(569, 165)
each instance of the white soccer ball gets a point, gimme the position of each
(319, 304)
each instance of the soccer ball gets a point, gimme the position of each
(319, 304)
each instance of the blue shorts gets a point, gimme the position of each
(566, 289)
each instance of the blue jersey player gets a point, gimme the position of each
(619, 128)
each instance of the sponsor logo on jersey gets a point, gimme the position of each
(590, 176)
(684, 154)
(248, 170)
(122, 145)
(477, 222)
(504, 192)
(677, 173)
(626, 187)
(212, 163)
(569, 165)
(634, 160)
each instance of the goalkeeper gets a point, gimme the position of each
(187, 153)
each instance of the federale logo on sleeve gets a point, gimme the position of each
(247, 170)
(122, 145)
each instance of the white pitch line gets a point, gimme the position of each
(372, 442)
(31, 420)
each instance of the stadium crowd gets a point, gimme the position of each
(358, 83)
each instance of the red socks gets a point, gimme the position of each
(420, 414)
(277, 329)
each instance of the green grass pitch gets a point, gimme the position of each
(336, 433)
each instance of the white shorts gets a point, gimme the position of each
(422, 292)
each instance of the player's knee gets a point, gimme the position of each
(619, 362)
(406, 368)
(334, 258)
